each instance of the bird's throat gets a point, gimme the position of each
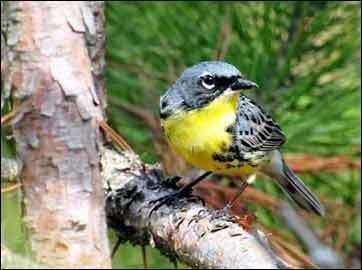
(199, 134)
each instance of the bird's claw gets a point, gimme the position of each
(184, 191)
(168, 199)
(172, 181)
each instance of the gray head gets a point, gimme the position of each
(201, 84)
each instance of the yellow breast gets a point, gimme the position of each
(198, 134)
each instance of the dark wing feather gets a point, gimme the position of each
(255, 130)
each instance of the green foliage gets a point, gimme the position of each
(129, 256)
(304, 55)
(11, 224)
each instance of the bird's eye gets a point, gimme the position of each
(208, 81)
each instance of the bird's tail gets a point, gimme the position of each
(294, 187)
(299, 192)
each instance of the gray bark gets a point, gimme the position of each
(185, 229)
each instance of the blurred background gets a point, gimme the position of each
(305, 56)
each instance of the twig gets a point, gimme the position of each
(300, 256)
(11, 188)
(137, 70)
(224, 36)
(115, 136)
(141, 113)
(18, 109)
(322, 255)
(310, 163)
(293, 262)
(341, 238)
(250, 194)
(5, 118)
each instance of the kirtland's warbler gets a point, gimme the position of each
(212, 125)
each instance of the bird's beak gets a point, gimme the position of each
(242, 84)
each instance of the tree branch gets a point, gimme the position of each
(186, 229)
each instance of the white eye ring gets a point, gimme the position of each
(207, 81)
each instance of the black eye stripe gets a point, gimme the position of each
(225, 82)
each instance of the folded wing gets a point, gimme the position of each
(255, 130)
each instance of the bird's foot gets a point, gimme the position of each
(171, 181)
(183, 192)
(168, 199)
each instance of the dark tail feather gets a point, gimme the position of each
(299, 192)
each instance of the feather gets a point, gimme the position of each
(254, 129)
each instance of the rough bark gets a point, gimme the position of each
(53, 68)
(9, 260)
(10, 169)
(185, 229)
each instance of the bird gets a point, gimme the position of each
(212, 125)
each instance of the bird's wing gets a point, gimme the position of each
(254, 129)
